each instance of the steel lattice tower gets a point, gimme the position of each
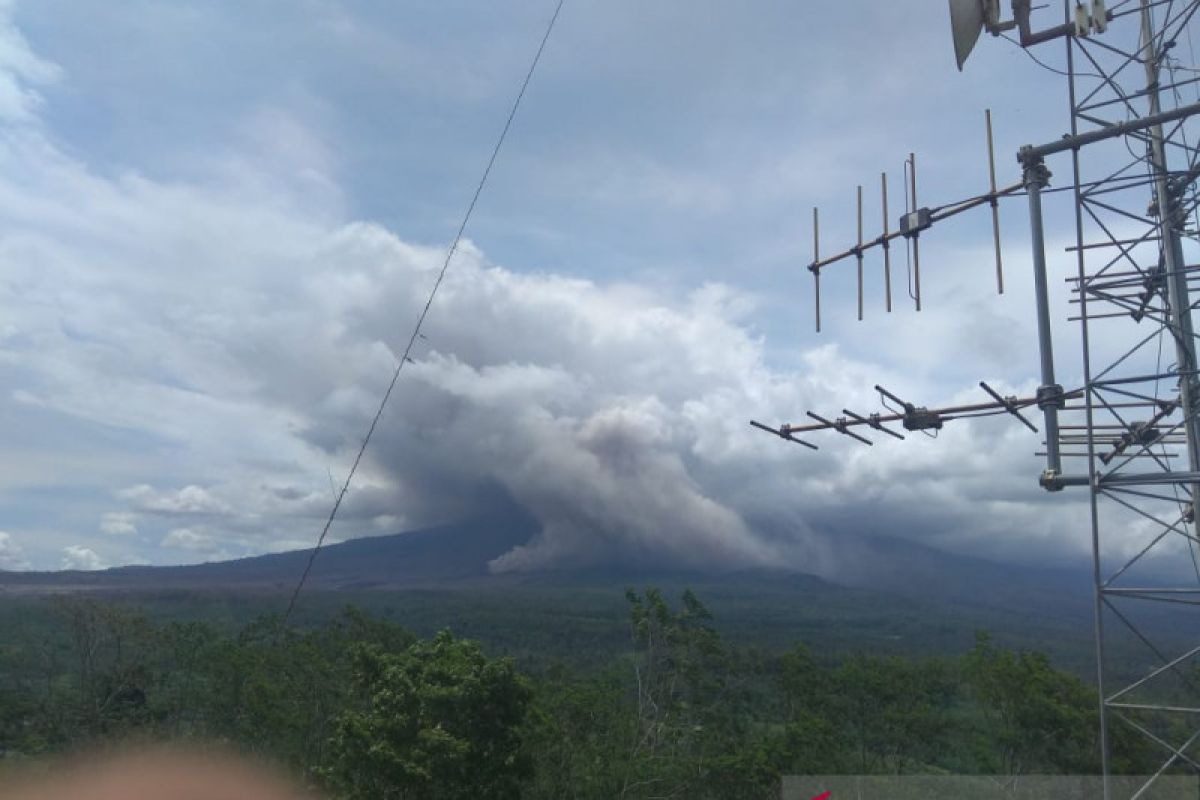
(1129, 434)
(1137, 429)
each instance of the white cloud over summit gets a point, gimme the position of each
(78, 557)
(11, 555)
(222, 343)
(243, 349)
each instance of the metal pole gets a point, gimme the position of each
(1114, 131)
(1099, 630)
(816, 271)
(859, 253)
(995, 204)
(1180, 317)
(887, 250)
(916, 240)
(1050, 398)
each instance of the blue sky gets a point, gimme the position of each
(222, 219)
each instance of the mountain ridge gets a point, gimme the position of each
(458, 554)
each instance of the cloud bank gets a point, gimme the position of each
(216, 347)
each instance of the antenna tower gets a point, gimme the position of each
(1129, 434)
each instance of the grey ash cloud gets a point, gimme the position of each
(192, 355)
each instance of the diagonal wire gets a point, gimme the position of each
(416, 332)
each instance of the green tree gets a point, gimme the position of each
(1036, 718)
(114, 669)
(809, 741)
(275, 692)
(439, 720)
(678, 672)
(893, 711)
(580, 734)
(698, 732)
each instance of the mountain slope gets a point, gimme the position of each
(431, 557)
(884, 569)
(890, 596)
(877, 570)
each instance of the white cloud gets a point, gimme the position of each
(119, 523)
(82, 558)
(188, 500)
(242, 334)
(11, 554)
(20, 71)
(188, 539)
(613, 413)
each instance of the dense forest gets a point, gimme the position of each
(363, 708)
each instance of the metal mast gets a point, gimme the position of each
(1140, 433)
(1129, 432)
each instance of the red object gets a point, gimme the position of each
(825, 796)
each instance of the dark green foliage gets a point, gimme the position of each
(1034, 718)
(893, 711)
(366, 709)
(581, 733)
(440, 720)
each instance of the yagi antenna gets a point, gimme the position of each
(922, 419)
(915, 220)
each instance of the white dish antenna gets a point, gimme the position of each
(969, 18)
(966, 23)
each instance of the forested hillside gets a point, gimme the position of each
(363, 708)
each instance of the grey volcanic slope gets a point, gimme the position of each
(431, 557)
(453, 554)
(891, 595)
(878, 571)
